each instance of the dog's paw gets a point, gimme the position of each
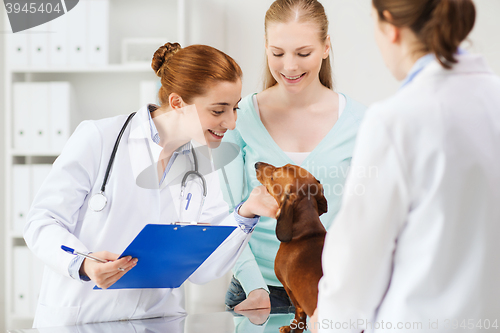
(285, 329)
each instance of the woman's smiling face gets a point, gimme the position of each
(295, 54)
(217, 110)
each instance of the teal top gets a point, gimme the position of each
(329, 162)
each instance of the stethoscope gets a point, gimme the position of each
(98, 201)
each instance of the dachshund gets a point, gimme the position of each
(298, 261)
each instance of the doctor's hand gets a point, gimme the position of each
(260, 202)
(104, 275)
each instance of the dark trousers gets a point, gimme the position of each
(279, 298)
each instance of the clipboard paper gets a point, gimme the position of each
(168, 254)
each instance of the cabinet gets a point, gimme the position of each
(101, 87)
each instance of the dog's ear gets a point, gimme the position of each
(284, 217)
(321, 201)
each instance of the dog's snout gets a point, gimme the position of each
(257, 165)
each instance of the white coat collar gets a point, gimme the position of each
(144, 164)
(140, 154)
(467, 63)
(139, 121)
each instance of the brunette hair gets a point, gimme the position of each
(440, 25)
(190, 71)
(283, 11)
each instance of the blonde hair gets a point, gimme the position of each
(283, 11)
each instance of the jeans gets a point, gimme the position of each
(278, 296)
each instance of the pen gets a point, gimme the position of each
(188, 199)
(72, 251)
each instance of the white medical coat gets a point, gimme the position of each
(60, 216)
(416, 239)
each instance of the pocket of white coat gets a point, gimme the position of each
(50, 316)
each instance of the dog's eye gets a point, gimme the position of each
(318, 182)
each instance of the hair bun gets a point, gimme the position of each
(163, 55)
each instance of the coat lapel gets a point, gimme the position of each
(141, 159)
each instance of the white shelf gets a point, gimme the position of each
(99, 92)
(15, 235)
(34, 153)
(21, 318)
(112, 68)
(18, 323)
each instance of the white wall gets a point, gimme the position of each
(358, 67)
(485, 37)
(359, 70)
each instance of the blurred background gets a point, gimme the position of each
(94, 62)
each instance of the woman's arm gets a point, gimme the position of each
(223, 258)
(54, 213)
(246, 269)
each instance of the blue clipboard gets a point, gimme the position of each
(168, 254)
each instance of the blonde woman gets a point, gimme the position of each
(298, 118)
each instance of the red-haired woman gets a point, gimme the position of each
(416, 248)
(199, 96)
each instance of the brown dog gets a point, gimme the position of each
(298, 261)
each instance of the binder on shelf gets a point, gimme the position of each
(39, 46)
(77, 32)
(59, 105)
(22, 272)
(139, 50)
(148, 92)
(58, 42)
(21, 196)
(39, 116)
(23, 135)
(168, 254)
(76, 39)
(16, 45)
(98, 27)
(38, 174)
(37, 267)
(28, 272)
